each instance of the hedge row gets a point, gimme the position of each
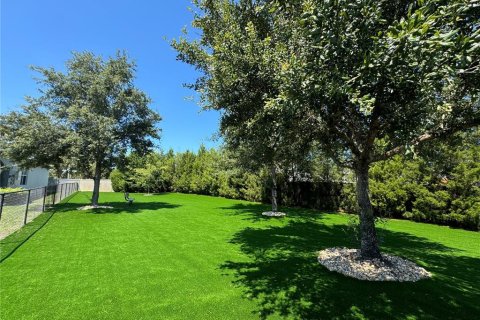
(416, 189)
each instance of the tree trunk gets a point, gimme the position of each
(96, 184)
(274, 189)
(58, 172)
(369, 248)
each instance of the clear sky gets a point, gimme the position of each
(45, 32)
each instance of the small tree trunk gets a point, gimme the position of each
(294, 187)
(58, 172)
(96, 184)
(274, 189)
(369, 248)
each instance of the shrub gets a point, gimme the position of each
(251, 188)
(439, 186)
(118, 180)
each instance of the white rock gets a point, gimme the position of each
(273, 214)
(94, 207)
(390, 268)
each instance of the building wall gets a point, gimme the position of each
(37, 177)
(11, 176)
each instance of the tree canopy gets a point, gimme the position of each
(240, 79)
(365, 79)
(87, 117)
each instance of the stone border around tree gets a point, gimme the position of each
(94, 207)
(273, 214)
(390, 268)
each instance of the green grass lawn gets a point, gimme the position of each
(176, 256)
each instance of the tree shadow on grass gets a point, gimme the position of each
(284, 277)
(253, 212)
(118, 207)
(14, 241)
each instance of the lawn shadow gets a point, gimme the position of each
(118, 207)
(12, 242)
(284, 278)
(253, 212)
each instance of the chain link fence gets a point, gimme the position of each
(20, 207)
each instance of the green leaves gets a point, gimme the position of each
(365, 79)
(87, 116)
(242, 75)
(365, 103)
(439, 185)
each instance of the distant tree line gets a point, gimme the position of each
(440, 184)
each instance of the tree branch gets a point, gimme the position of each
(428, 136)
(348, 140)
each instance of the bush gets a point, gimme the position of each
(118, 180)
(440, 186)
(252, 187)
(348, 200)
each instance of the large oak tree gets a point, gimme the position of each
(383, 77)
(88, 117)
(371, 79)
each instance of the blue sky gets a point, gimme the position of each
(44, 33)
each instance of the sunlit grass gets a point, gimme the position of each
(176, 256)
